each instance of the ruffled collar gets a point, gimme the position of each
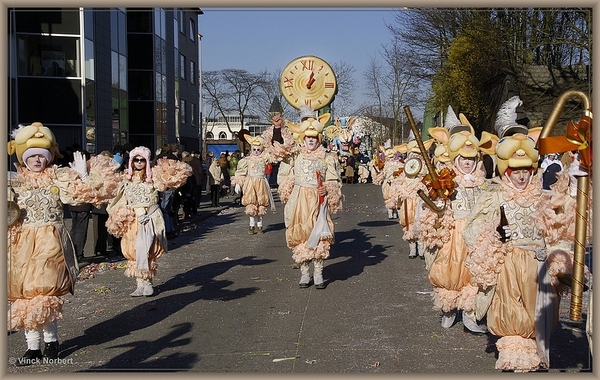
(474, 179)
(36, 180)
(258, 158)
(524, 197)
(318, 153)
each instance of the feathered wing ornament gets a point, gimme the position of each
(451, 119)
(507, 117)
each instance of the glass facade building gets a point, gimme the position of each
(102, 77)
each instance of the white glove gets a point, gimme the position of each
(574, 172)
(79, 165)
(238, 189)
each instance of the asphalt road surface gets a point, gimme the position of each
(229, 302)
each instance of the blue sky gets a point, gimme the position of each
(255, 39)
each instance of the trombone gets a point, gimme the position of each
(578, 137)
(432, 172)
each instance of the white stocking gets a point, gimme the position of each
(51, 332)
(259, 221)
(252, 221)
(33, 338)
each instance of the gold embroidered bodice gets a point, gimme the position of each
(40, 206)
(140, 194)
(256, 166)
(524, 232)
(463, 200)
(305, 170)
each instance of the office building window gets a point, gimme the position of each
(181, 22)
(192, 30)
(193, 114)
(192, 72)
(182, 115)
(182, 66)
(48, 56)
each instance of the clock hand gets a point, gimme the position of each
(311, 80)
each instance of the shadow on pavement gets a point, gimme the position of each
(158, 308)
(354, 245)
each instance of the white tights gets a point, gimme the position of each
(34, 336)
(256, 220)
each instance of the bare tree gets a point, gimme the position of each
(393, 81)
(465, 49)
(344, 73)
(269, 90)
(232, 91)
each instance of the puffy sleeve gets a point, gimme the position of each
(120, 214)
(555, 218)
(556, 212)
(485, 250)
(170, 174)
(285, 179)
(277, 152)
(100, 187)
(333, 184)
(240, 173)
(333, 174)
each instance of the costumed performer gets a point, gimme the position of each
(311, 193)
(135, 216)
(42, 265)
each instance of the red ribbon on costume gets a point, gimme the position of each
(578, 137)
(319, 185)
(444, 182)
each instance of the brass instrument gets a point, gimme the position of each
(430, 168)
(578, 140)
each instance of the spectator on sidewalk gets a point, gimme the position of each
(215, 177)
(198, 171)
(80, 218)
(188, 190)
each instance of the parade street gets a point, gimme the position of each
(229, 302)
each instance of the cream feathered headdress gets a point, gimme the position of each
(506, 119)
(516, 147)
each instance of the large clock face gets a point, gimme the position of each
(412, 167)
(308, 80)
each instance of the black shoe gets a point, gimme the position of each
(30, 357)
(51, 350)
(476, 333)
(320, 286)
